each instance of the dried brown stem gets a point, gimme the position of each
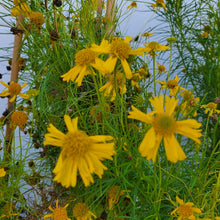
(14, 77)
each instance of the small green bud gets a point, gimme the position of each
(171, 39)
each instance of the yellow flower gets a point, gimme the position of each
(2, 172)
(172, 85)
(132, 5)
(159, 4)
(144, 72)
(189, 102)
(205, 34)
(119, 49)
(134, 81)
(81, 212)
(113, 195)
(7, 209)
(84, 59)
(14, 89)
(59, 213)
(36, 18)
(79, 152)
(185, 211)
(217, 218)
(211, 107)
(164, 125)
(146, 34)
(154, 46)
(161, 69)
(21, 8)
(32, 92)
(116, 81)
(19, 118)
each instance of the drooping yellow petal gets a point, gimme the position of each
(110, 64)
(126, 68)
(24, 96)
(72, 73)
(173, 150)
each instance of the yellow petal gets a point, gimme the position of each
(173, 150)
(126, 68)
(138, 115)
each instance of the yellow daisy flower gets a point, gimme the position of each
(7, 209)
(164, 125)
(14, 89)
(115, 82)
(172, 85)
(81, 212)
(32, 92)
(19, 118)
(189, 102)
(21, 8)
(59, 213)
(154, 46)
(211, 107)
(79, 152)
(147, 34)
(2, 172)
(119, 49)
(113, 195)
(159, 4)
(132, 5)
(161, 69)
(185, 211)
(36, 18)
(84, 59)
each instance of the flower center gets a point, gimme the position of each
(85, 57)
(164, 124)
(60, 213)
(19, 118)
(153, 45)
(172, 84)
(185, 211)
(80, 209)
(161, 68)
(76, 144)
(14, 88)
(120, 49)
(212, 105)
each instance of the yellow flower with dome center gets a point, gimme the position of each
(161, 69)
(113, 195)
(19, 118)
(84, 59)
(14, 89)
(2, 172)
(153, 47)
(36, 18)
(79, 152)
(116, 81)
(159, 4)
(164, 125)
(7, 210)
(185, 210)
(147, 34)
(172, 85)
(189, 103)
(119, 49)
(59, 213)
(81, 212)
(132, 5)
(211, 107)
